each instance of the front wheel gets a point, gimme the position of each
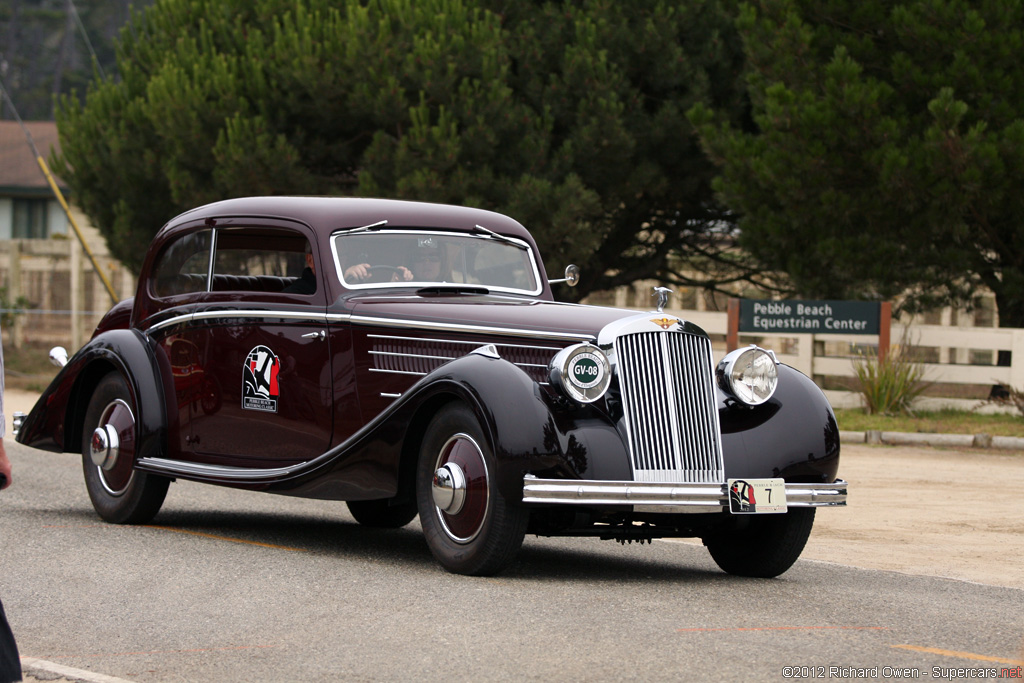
(119, 492)
(766, 547)
(469, 526)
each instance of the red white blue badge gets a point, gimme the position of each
(259, 380)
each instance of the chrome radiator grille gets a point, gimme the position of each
(670, 407)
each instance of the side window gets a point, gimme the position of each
(262, 260)
(183, 266)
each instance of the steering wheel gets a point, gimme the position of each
(377, 273)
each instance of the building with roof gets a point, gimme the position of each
(28, 209)
(42, 268)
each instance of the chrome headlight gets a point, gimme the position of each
(749, 374)
(582, 371)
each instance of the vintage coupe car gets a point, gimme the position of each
(409, 358)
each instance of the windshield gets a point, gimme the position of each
(417, 258)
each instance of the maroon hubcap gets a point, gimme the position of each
(464, 525)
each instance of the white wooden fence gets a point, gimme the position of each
(831, 355)
(66, 299)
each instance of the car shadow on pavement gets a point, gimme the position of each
(541, 558)
(610, 562)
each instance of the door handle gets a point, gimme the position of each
(319, 334)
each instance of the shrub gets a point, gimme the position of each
(889, 385)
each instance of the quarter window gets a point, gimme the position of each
(183, 266)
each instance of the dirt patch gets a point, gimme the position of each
(921, 510)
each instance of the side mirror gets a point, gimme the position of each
(572, 276)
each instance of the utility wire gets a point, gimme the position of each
(88, 43)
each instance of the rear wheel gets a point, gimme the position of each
(119, 492)
(380, 514)
(766, 547)
(469, 526)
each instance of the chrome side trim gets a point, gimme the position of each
(420, 355)
(327, 318)
(460, 341)
(176, 320)
(213, 259)
(314, 316)
(399, 372)
(318, 317)
(455, 327)
(195, 469)
(667, 497)
(412, 355)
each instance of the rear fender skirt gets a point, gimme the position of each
(55, 422)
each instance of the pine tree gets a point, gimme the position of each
(568, 116)
(888, 151)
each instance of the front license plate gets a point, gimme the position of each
(757, 496)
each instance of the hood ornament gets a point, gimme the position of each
(662, 294)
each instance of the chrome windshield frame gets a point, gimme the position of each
(382, 228)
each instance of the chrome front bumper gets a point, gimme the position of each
(667, 497)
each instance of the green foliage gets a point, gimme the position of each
(888, 152)
(568, 116)
(890, 384)
(11, 309)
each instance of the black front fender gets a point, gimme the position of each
(532, 429)
(794, 435)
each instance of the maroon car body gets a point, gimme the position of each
(372, 379)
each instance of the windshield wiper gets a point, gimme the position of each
(366, 228)
(499, 236)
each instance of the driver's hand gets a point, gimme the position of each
(402, 274)
(358, 273)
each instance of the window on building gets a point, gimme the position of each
(29, 219)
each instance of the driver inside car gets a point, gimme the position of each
(427, 265)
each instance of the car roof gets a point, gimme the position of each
(327, 214)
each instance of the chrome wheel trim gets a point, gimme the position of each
(116, 433)
(475, 501)
(104, 447)
(448, 489)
